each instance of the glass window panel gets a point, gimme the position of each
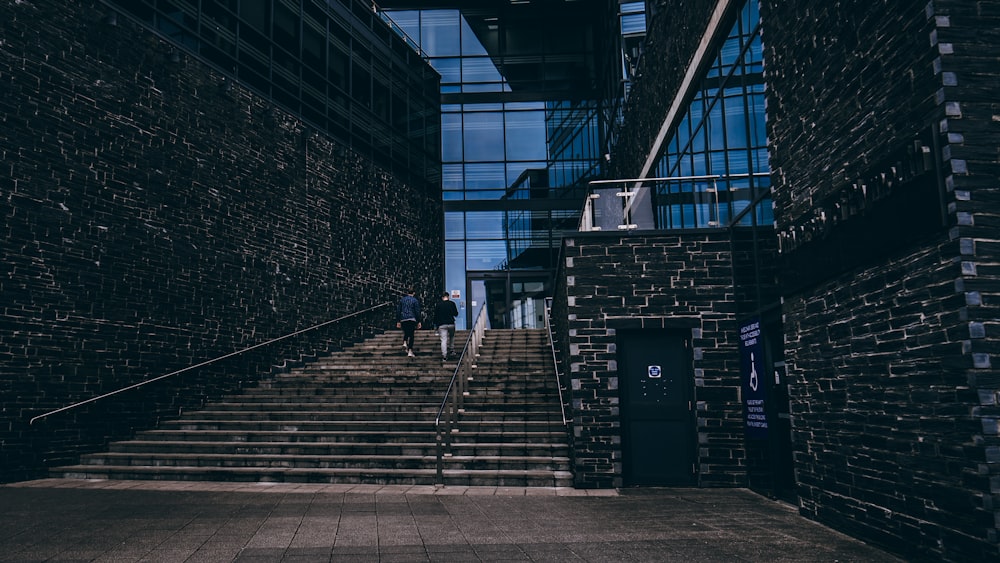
(758, 128)
(470, 42)
(698, 139)
(482, 107)
(484, 225)
(699, 164)
(450, 70)
(716, 128)
(525, 135)
(485, 254)
(514, 170)
(489, 176)
(684, 132)
(730, 53)
(736, 123)
(760, 162)
(439, 33)
(451, 177)
(451, 137)
(483, 87)
(408, 21)
(684, 166)
(738, 162)
(676, 221)
(483, 136)
(256, 14)
(738, 207)
(718, 161)
(454, 258)
(524, 105)
(634, 23)
(524, 38)
(479, 69)
(485, 194)
(454, 225)
(765, 212)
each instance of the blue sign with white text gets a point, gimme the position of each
(752, 375)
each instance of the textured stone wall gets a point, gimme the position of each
(882, 120)
(676, 280)
(154, 219)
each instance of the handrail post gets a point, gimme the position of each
(555, 362)
(440, 456)
(446, 422)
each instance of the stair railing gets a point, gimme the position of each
(453, 404)
(555, 363)
(202, 364)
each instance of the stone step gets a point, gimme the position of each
(336, 448)
(373, 404)
(354, 426)
(424, 461)
(353, 415)
(470, 436)
(452, 477)
(366, 415)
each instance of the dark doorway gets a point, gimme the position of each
(513, 299)
(658, 430)
(780, 442)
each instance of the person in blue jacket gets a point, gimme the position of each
(408, 319)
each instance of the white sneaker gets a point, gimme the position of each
(409, 353)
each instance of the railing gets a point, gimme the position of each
(635, 203)
(205, 363)
(555, 362)
(453, 404)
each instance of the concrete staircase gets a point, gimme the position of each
(365, 415)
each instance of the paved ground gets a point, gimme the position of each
(67, 520)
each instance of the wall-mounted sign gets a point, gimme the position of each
(752, 374)
(456, 294)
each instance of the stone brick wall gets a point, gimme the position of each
(611, 282)
(882, 120)
(154, 219)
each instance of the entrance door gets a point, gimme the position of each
(513, 299)
(658, 427)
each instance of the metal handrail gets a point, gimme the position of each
(454, 396)
(202, 364)
(555, 363)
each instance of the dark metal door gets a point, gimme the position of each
(658, 431)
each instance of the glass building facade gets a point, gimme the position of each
(334, 63)
(522, 127)
(719, 147)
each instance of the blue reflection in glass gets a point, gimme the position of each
(525, 135)
(439, 35)
(451, 137)
(483, 136)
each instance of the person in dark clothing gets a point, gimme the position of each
(444, 319)
(408, 319)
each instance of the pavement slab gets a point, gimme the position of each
(81, 520)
